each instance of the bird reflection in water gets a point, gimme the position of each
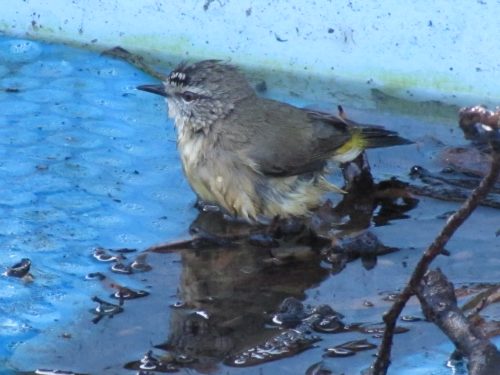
(229, 293)
(234, 277)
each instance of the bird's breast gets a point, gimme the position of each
(193, 149)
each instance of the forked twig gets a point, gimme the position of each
(382, 362)
(439, 304)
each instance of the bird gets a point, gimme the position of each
(256, 158)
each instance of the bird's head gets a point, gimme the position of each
(201, 93)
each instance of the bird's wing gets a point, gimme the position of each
(288, 141)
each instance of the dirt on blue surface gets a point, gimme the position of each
(87, 161)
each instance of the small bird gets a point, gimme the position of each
(254, 157)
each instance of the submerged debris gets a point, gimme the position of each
(102, 255)
(124, 293)
(121, 292)
(349, 348)
(150, 362)
(300, 322)
(290, 313)
(322, 318)
(123, 250)
(319, 368)
(20, 269)
(465, 166)
(364, 245)
(105, 309)
(120, 267)
(285, 344)
(138, 265)
(338, 351)
(450, 185)
(410, 318)
(378, 329)
(55, 372)
(95, 276)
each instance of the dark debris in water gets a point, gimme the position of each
(120, 292)
(285, 344)
(358, 345)
(322, 318)
(410, 318)
(339, 352)
(123, 268)
(364, 245)
(44, 371)
(290, 313)
(378, 329)
(349, 348)
(124, 293)
(389, 296)
(319, 368)
(118, 258)
(329, 324)
(150, 362)
(105, 308)
(95, 276)
(299, 323)
(55, 372)
(123, 250)
(20, 269)
(139, 264)
(464, 166)
(450, 185)
(102, 255)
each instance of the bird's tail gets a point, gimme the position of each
(363, 137)
(375, 137)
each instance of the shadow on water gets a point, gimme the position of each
(228, 296)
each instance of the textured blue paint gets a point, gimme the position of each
(85, 160)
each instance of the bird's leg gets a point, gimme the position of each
(358, 177)
(357, 204)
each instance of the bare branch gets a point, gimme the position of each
(381, 364)
(439, 304)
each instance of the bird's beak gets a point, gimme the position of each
(154, 89)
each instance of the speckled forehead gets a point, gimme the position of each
(201, 73)
(178, 78)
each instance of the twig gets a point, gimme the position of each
(382, 362)
(439, 304)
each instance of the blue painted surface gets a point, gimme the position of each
(83, 162)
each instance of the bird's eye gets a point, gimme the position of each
(188, 96)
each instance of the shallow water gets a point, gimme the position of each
(86, 161)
